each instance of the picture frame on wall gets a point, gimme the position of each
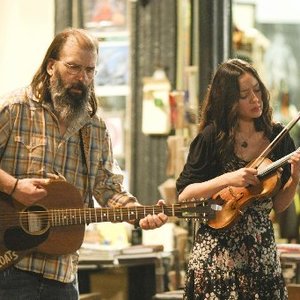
(113, 65)
(105, 15)
(115, 123)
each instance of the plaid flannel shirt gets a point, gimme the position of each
(31, 145)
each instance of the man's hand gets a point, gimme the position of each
(30, 190)
(154, 221)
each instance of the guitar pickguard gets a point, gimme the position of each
(16, 239)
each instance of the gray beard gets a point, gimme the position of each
(69, 107)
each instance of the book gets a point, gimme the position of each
(137, 249)
(96, 252)
(288, 248)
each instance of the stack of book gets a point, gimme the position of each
(139, 249)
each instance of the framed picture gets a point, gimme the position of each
(113, 64)
(115, 124)
(105, 15)
(243, 15)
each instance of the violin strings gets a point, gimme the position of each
(258, 161)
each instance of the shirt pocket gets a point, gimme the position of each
(33, 146)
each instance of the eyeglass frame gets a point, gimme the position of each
(74, 69)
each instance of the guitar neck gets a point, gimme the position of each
(74, 216)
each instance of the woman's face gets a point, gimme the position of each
(250, 103)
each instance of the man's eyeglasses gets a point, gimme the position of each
(74, 69)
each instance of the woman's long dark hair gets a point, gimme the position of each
(221, 102)
(41, 80)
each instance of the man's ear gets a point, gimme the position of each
(50, 66)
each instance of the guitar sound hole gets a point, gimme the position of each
(34, 220)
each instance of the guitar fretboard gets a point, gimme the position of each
(37, 218)
(63, 217)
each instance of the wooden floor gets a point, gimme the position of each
(294, 291)
(90, 296)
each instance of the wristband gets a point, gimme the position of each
(14, 188)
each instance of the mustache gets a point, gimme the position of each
(79, 86)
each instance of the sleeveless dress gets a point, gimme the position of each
(240, 262)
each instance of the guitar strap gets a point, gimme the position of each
(85, 135)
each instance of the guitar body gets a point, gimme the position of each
(63, 239)
(10, 237)
(16, 241)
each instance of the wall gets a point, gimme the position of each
(26, 29)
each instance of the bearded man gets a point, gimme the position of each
(51, 129)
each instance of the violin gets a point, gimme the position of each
(234, 200)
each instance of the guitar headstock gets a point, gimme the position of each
(202, 209)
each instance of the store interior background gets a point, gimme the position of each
(185, 38)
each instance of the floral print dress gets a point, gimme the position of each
(239, 262)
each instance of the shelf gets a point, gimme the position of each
(112, 90)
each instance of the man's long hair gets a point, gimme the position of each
(41, 80)
(221, 103)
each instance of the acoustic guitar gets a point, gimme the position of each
(56, 224)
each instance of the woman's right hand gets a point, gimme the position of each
(242, 177)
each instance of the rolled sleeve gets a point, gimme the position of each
(109, 189)
(201, 162)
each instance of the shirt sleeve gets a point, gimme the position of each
(109, 189)
(285, 147)
(6, 104)
(201, 164)
(5, 128)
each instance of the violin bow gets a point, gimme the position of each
(256, 163)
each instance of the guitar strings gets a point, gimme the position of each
(126, 213)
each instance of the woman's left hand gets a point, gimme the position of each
(295, 166)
